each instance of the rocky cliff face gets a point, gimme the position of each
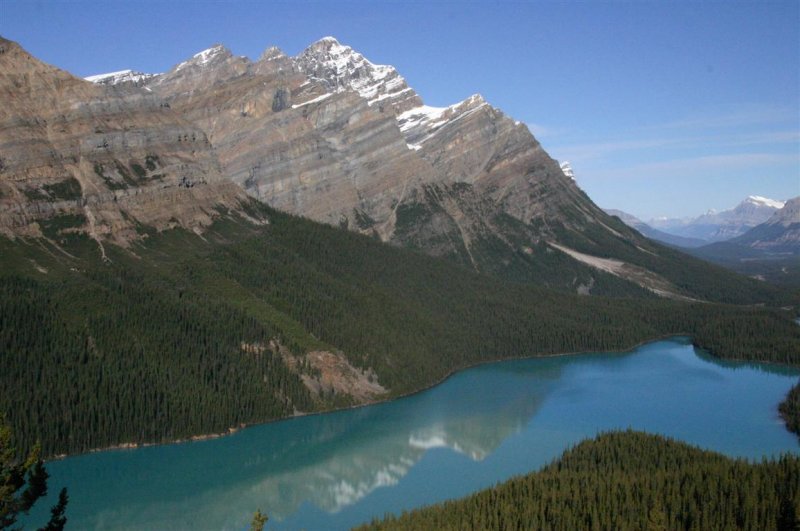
(779, 234)
(326, 134)
(334, 137)
(101, 160)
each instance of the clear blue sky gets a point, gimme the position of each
(663, 108)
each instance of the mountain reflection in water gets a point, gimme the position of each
(479, 427)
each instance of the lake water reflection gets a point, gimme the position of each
(479, 427)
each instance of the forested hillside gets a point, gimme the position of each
(628, 480)
(185, 335)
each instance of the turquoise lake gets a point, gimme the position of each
(479, 427)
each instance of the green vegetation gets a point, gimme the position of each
(66, 190)
(139, 170)
(512, 250)
(35, 194)
(112, 183)
(628, 480)
(694, 278)
(23, 483)
(259, 519)
(363, 220)
(125, 174)
(151, 161)
(52, 227)
(171, 338)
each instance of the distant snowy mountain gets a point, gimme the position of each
(780, 233)
(769, 251)
(720, 226)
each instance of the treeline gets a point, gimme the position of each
(628, 480)
(166, 341)
(693, 277)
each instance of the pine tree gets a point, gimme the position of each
(23, 483)
(259, 519)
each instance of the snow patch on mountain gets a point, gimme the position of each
(567, 169)
(341, 68)
(765, 201)
(723, 225)
(205, 57)
(115, 78)
(314, 100)
(422, 123)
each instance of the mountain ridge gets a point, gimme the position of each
(716, 226)
(466, 182)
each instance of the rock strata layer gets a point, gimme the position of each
(97, 158)
(326, 134)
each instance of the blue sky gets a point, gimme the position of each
(663, 108)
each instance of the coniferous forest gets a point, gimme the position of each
(628, 480)
(169, 339)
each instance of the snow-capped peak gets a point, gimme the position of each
(566, 168)
(273, 52)
(341, 68)
(114, 78)
(205, 57)
(764, 201)
(327, 39)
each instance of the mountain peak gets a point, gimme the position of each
(271, 53)
(567, 169)
(206, 57)
(763, 201)
(341, 68)
(329, 45)
(789, 214)
(327, 40)
(122, 76)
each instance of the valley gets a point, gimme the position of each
(233, 243)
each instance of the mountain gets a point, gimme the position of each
(720, 226)
(82, 157)
(769, 251)
(333, 137)
(327, 135)
(148, 293)
(779, 234)
(117, 78)
(654, 234)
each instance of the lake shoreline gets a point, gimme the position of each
(232, 430)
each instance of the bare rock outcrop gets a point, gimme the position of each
(96, 158)
(326, 134)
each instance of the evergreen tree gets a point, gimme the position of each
(22, 483)
(259, 519)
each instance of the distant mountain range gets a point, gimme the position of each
(768, 251)
(655, 234)
(757, 222)
(720, 226)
